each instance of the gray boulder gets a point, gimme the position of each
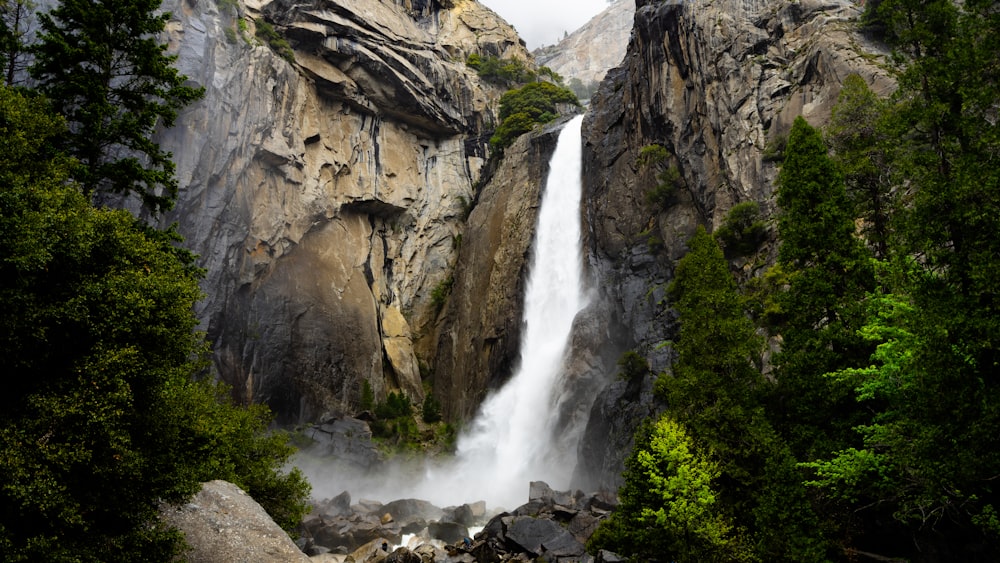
(222, 524)
(537, 536)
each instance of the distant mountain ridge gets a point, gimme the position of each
(589, 52)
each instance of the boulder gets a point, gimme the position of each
(448, 532)
(346, 440)
(222, 524)
(536, 536)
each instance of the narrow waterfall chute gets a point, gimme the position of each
(512, 440)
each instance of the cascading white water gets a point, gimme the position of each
(512, 440)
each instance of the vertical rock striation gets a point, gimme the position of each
(325, 194)
(713, 82)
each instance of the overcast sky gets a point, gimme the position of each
(543, 22)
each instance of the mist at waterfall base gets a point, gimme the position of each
(513, 439)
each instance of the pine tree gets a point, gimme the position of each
(858, 136)
(930, 451)
(669, 507)
(16, 17)
(829, 276)
(717, 392)
(101, 64)
(101, 419)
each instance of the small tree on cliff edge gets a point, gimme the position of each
(101, 65)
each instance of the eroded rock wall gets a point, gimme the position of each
(479, 339)
(325, 194)
(712, 81)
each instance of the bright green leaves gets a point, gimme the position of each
(669, 508)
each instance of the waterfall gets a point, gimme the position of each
(512, 439)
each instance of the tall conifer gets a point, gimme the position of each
(103, 67)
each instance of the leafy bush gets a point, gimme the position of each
(396, 405)
(651, 155)
(523, 108)
(441, 292)
(501, 70)
(664, 193)
(743, 230)
(100, 419)
(632, 366)
(431, 412)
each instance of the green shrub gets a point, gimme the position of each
(651, 155)
(431, 410)
(396, 405)
(632, 366)
(501, 70)
(367, 396)
(743, 230)
(664, 193)
(441, 292)
(267, 33)
(102, 419)
(523, 108)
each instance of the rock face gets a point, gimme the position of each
(222, 524)
(713, 82)
(325, 195)
(589, 52)
(479, 338)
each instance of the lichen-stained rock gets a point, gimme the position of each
(324, 195)
(716, 83)
(222, 524)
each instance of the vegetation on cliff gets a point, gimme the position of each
(103, 417)
(523, 108)
(875, 435)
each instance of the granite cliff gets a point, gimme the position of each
(589, 52)
(717, 83)
(326, 181)
(337, 195)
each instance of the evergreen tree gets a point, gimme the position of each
(716, 391)
(15, 22)
(829, 275)
(669, 510)
(857, 135)
(100, 419)
(102, 66)
(930, 452)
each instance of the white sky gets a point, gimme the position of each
(543, 22)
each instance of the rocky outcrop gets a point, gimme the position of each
(589, 52)
(324, 194)
(713, 82)
(553, 525)
(222, 524)
(337, 526)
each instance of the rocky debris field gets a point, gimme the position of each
(552, 525)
